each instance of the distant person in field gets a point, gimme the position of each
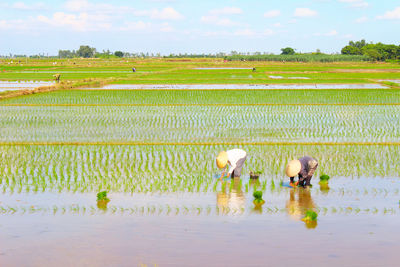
(57, 77)
(254, 70)
(304, 168)
(235, 158)
(133, 69)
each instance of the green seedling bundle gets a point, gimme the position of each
(258, 201)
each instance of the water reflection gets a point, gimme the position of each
(231, 198)
(300, 201)
(324, 187)
(102, 205)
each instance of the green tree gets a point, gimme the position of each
(66, 54)
(358, 44)
(119, 53)
(351, 50)
(372, 52)
(287, 51)
(86, 51)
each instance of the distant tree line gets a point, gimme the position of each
(309, 57)
(354, 51)
(86, 51)
(377, 52)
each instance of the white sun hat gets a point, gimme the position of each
(293, 168)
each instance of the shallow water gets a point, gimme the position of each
(213, 229)
(200, 124)
(223, 68)
(239, 86)
(20, 85)
(290, 78)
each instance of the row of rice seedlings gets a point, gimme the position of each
(115, 97)
(174, 169)
(242, 187)
(158, 169)
(187, 210)
(198, 124)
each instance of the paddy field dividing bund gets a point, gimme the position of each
(154, 152)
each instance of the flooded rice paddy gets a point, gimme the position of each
(200, 124)
(167, 206)
(239, 86)
(21, 85)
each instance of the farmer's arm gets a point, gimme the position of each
(232, 168)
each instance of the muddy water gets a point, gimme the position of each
(238, 86)
(13, 86)
(357, 226)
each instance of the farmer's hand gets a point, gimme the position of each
(220, 178)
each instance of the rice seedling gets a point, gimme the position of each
(258, 201)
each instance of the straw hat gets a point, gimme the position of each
(222, 159)
(293, 168)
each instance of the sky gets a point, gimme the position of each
(186, 26)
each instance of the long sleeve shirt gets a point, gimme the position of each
(234, 156)
(308, 167)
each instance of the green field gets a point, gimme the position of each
(182, 71)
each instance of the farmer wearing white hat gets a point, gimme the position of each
(304, 168)
(235, 158)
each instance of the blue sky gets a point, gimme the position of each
(173, 26)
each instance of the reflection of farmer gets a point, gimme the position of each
(57, 77)
(232, 201)
(296, 208)
(235, 158)
(304, 167)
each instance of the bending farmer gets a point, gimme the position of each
(235, 158)
(304, 167)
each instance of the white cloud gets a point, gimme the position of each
(347, 36)
(23, 6)
(136, 26)
(17, 24)
(77, 5)
(226, 11)
(245, 32)
(356, 3)
(362, 19)
(219, 16)
(268, 32)
(148, 27)
(165, 27)
(304, 12)
(272, 13)
(393, 14)
(3, 24)
(331, 33)
(167, 13)
(216, 20)
(277, 25)
(80, 22)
